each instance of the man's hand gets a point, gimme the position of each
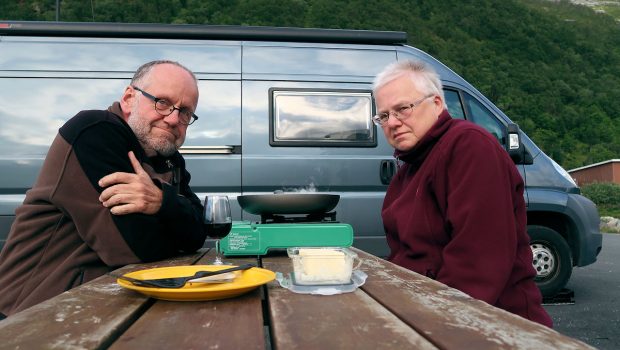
(127, 193)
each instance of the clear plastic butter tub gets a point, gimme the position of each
(324, 265)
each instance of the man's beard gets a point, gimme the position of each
(141, 128)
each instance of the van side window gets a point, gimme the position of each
(454, 104)
(480, 115)
(31, 131)
(323, 118)
(40, 106)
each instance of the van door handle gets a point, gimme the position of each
(210, 150)
(387, 171)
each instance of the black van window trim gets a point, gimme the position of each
(372, 129)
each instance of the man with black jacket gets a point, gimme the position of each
(113, 191)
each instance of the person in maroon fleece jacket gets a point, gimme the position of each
(455, 210)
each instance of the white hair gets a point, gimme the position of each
(424, 77)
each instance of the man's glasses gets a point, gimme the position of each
(165, 108)
(401, 113)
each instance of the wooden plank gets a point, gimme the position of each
(235, 323)
(343, 321)
(87, 317)
(451, 319)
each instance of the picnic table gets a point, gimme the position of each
(394, 309)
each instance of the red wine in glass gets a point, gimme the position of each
(218, 230)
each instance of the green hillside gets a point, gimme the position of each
(552, 67)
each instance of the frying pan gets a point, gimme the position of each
(288, 203)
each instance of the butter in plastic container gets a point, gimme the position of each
(322, 265)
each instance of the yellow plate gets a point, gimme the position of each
(248, 280)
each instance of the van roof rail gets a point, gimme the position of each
(199, 31)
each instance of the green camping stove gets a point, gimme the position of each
(253, 238)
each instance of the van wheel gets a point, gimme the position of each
(552, 259)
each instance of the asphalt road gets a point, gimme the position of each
(594, 318)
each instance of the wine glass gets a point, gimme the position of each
(218, 221)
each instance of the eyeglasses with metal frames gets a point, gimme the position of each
(401, 113)
(165, 108)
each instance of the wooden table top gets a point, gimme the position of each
(394, 309)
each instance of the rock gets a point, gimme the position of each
(610, 224)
